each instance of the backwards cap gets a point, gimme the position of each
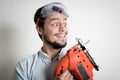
(52, 9)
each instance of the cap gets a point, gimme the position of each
(52, 9)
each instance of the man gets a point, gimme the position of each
(51, 25)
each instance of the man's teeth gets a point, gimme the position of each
(61, 36)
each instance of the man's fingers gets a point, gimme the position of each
(66, 75)
(71, 77)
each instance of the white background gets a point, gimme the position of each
(94, 20)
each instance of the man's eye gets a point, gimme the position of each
(55, 25)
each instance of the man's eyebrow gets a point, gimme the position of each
(56, 19)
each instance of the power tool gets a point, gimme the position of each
(78, 61)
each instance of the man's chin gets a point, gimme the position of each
(58, 45)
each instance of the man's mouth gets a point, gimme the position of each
(61, 36)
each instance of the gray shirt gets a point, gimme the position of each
(38, 66)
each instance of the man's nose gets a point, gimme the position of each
(62, 28)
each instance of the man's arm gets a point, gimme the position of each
(20, 72)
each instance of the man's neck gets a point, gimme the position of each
(51, 51)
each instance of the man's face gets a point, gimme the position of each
(55, 31)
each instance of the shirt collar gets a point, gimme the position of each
(46, 56)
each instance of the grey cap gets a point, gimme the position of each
(52, 9)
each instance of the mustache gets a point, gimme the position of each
(65, 33)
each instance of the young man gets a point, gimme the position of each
(51, 25)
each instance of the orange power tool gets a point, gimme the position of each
(78, 61)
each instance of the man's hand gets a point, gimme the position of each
(64, 76)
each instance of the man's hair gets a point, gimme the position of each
(38, 19)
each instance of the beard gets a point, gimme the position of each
(54, 44)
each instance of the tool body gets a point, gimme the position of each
(78, 61)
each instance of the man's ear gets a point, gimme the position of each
(39, 29)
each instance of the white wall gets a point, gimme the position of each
(95, 20)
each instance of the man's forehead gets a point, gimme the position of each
(53, 19)
(56, 17)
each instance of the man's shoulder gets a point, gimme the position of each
(26, 65)
(29, 60)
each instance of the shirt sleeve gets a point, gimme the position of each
(20, 72)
